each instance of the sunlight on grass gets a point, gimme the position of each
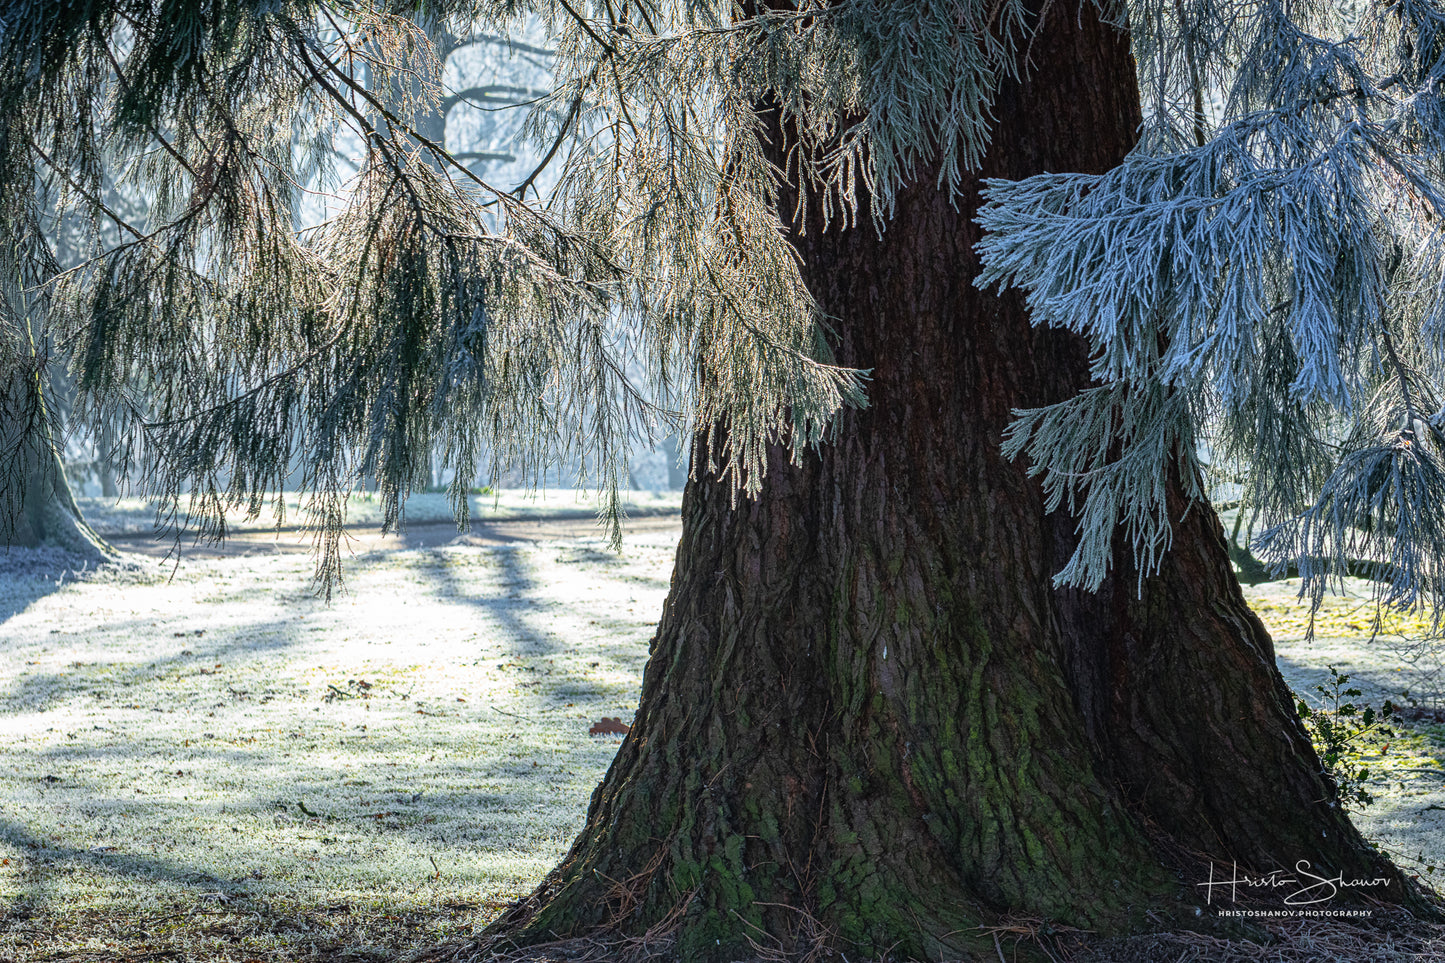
(137, 515)
(1406, 766)
(226, 739)
(1339, 615)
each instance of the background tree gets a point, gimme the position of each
(493, 76)
(36, 503)
(902, 689)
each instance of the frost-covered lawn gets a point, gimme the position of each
(1407, 766)
(226, 744)
(222, 766)
(114, 516)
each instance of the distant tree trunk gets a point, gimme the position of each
(36, 504)
(869, 719)
(38, 507)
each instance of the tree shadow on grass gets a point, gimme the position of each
(29, 574)
(484, 802)
(527, 623)
(1306, 677)
(317, 812)
(38, 691)
(21, 593)
(44, 856)
(512, 607)
(1412, 827)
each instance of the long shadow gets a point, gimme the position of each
(32, 693)
(518, 615)
(46, 853)
(1376, 683)
(30, 574)
(519, 584)
(509, 608)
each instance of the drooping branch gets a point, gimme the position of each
(507, 95)
(511, 43)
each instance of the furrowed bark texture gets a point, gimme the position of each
(868, 717)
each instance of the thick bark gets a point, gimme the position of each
(869, 718)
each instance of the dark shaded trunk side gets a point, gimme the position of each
(869, 720)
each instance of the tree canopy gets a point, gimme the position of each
(870, 717)
(1260, 281)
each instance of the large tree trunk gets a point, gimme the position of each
(869, 718)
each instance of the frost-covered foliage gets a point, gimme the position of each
(1270, 256)
(1261, 279)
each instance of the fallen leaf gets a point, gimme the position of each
(609, 727)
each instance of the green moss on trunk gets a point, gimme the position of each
(869, 719)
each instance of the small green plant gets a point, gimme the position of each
(1339, 728)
